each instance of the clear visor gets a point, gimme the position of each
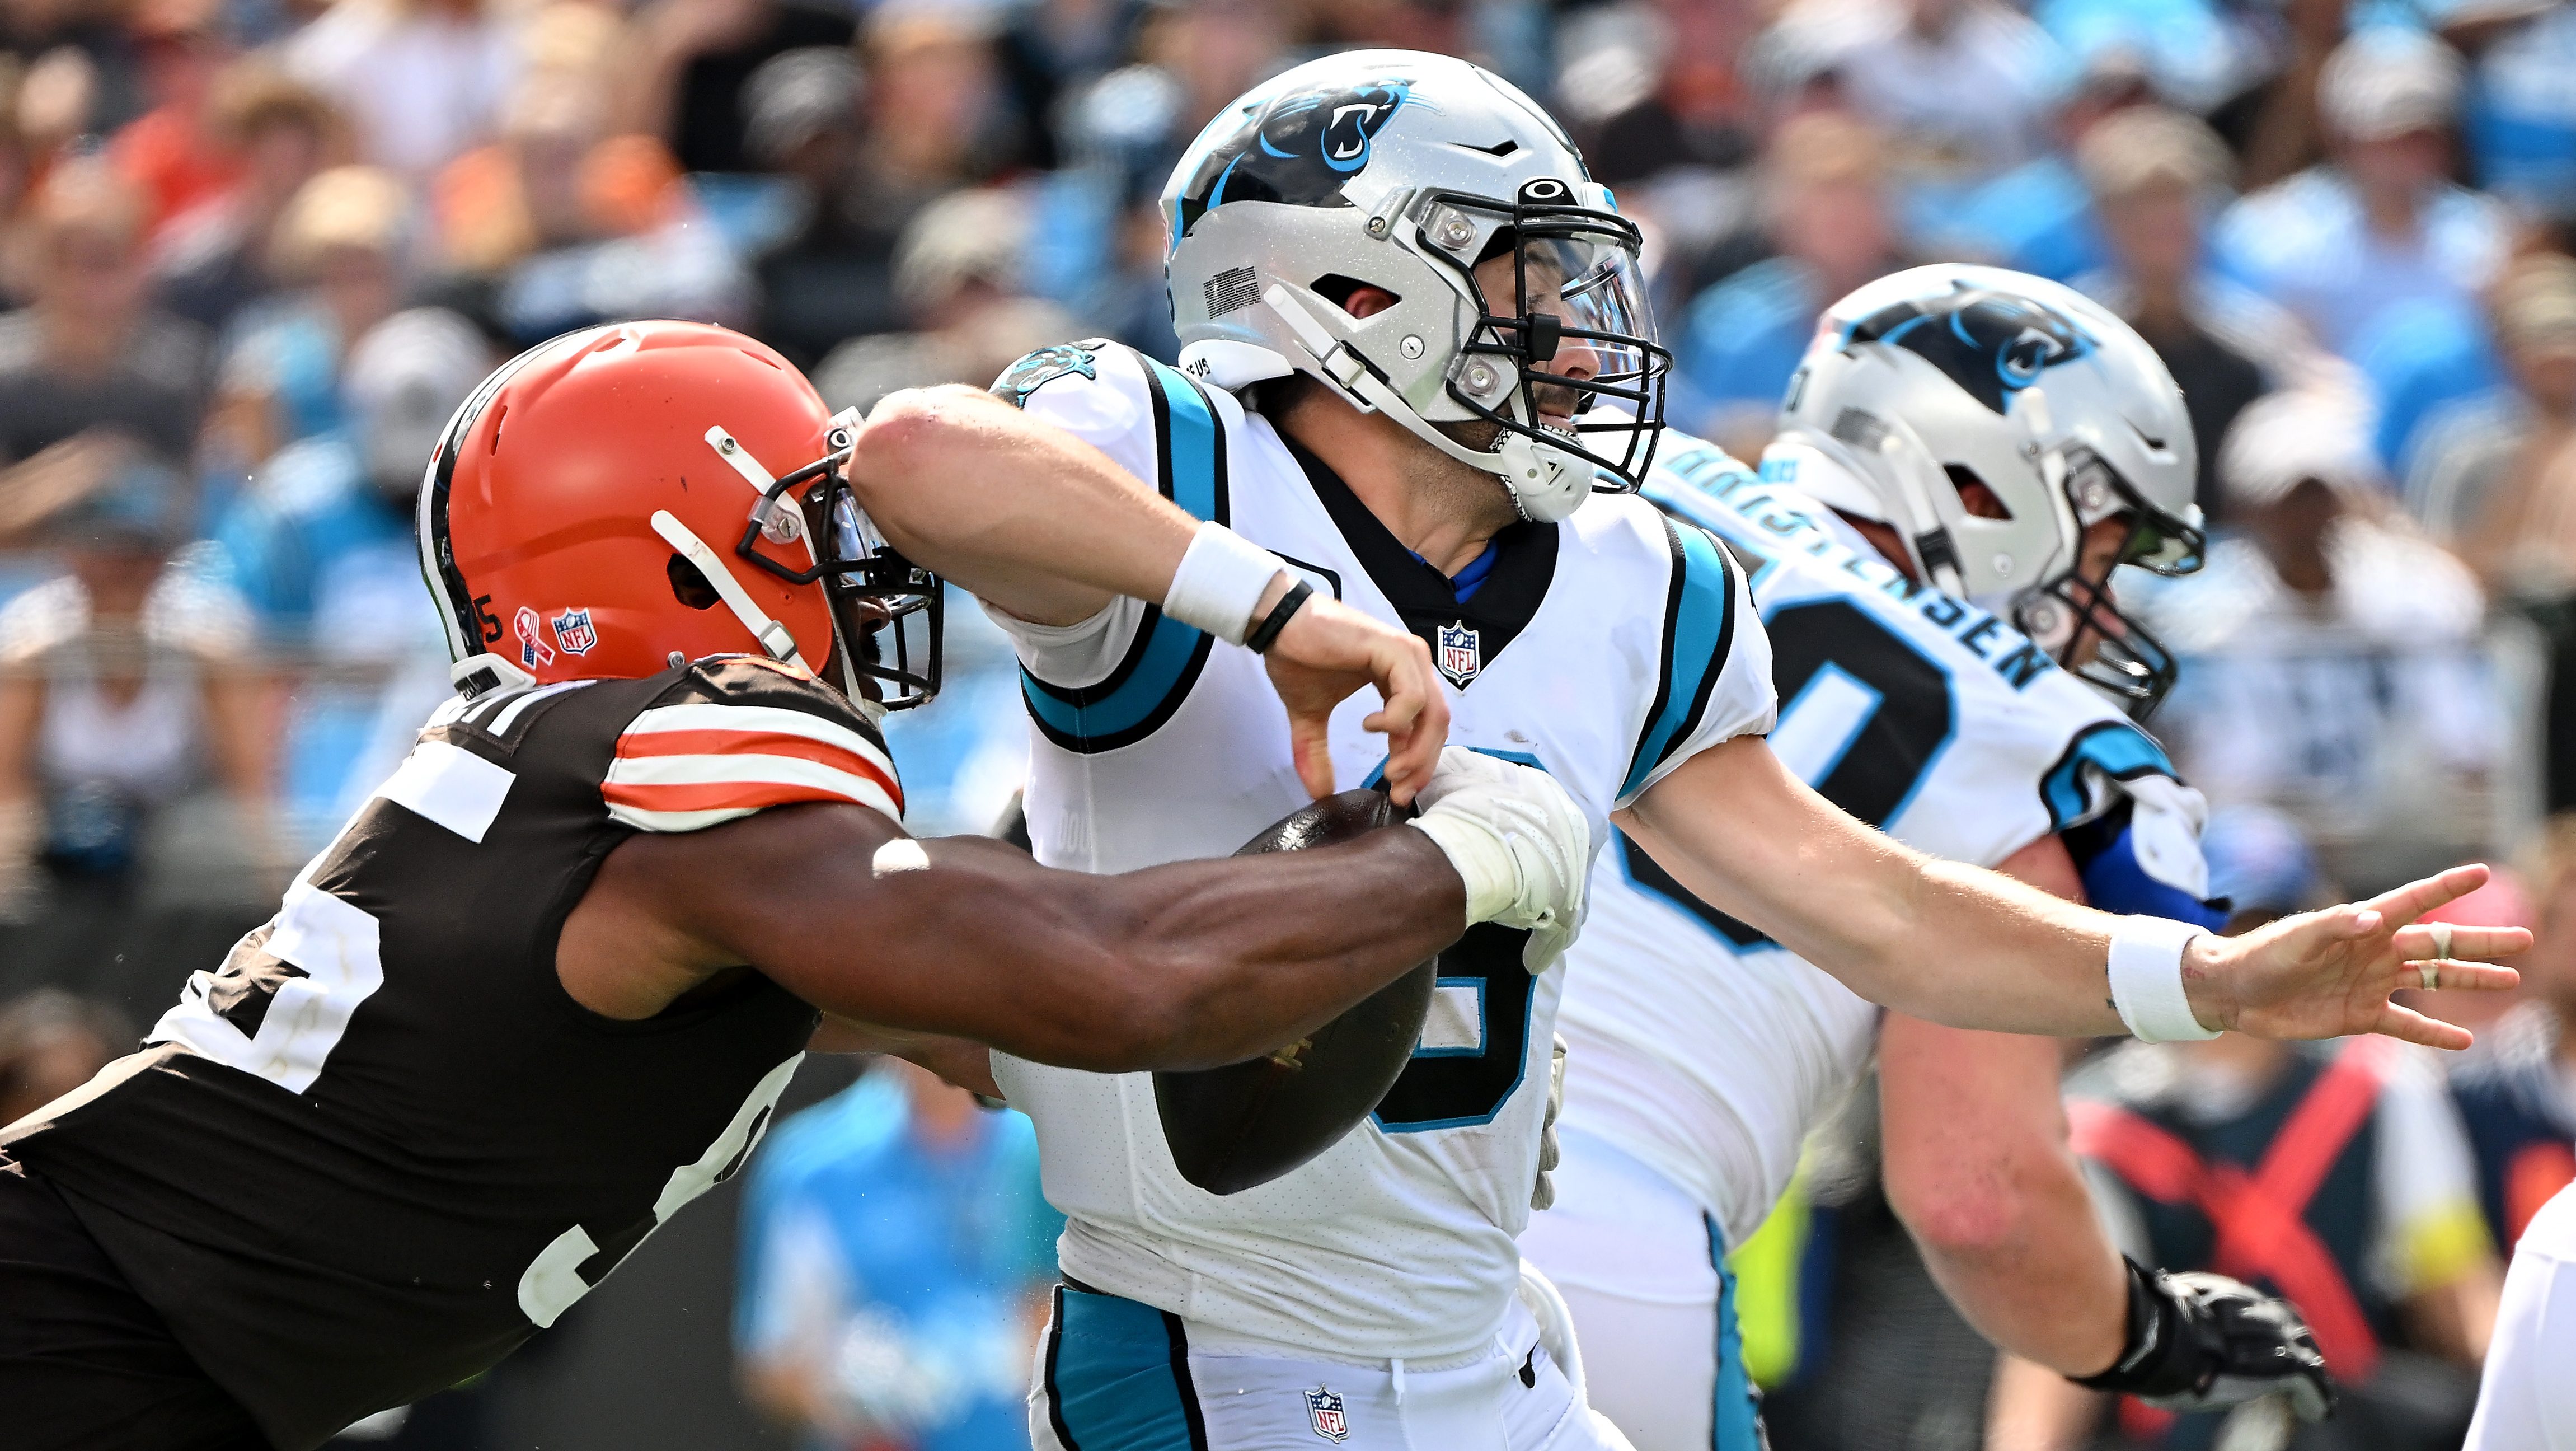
(1565, 351)
(2158, 542)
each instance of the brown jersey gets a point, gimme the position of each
(380, 1146)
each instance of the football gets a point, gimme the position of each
(1248, 1123)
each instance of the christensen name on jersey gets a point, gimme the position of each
(1704, 1049)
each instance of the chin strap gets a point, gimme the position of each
(774, 638)
(1524, 464)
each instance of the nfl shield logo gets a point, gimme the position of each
(1460, 657)
(573, 631)
(1324, 1412)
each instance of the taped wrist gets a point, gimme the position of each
(2153, 1359)
(1481, 858)
(1220, 582)
(2146, 980)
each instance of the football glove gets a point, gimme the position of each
(2203, 1342)
(1518, 841)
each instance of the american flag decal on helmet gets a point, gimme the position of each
(689, 766)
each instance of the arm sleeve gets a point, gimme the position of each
(1716, 663)
(739, 735)
(1098, 393)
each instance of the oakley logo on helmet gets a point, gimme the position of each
(1989, 344)
(1298, 151)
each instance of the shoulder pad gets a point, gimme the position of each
(1057, 360)
(734, 734)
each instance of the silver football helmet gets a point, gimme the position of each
(1406, 171)
(1936, 378)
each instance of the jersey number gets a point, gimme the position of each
(1462, 1074)
(568, 1268)
(1866, 716)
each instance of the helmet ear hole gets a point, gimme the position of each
(689, 586)
(1975, 494)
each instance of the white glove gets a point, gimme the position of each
(1518, 841)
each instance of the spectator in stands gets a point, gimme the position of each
(1825, 209)
(222, 256)
(958, 276)
(320, 544)
(2516, 1090)
(2520, 122)
(51, 1042)
(1962, 90)
(832, 276)
(2332, 658)
(2338, 1178)
(2381, 225)
(174, 154)
(422, 79)
(2512, 498)
(340, 248)
(895, 1256)
(88, 369)
(123, 685)
(696, 61)
(2154, 175)
(566, 224)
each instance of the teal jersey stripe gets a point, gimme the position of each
(1699, 629)
(2117, 749)
(1159, 668)
(1116, 1377)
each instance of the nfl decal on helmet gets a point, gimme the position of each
(1923, 388)
(1403, 172)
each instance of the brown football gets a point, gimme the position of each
(1248, 1123)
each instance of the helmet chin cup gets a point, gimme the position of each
(1547, 483)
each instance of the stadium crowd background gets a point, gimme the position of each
(257, 250)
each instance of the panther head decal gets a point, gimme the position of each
(1989, 344)
(1299, 149)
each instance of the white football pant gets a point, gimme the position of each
(1115, 1375)
(1642, 1269)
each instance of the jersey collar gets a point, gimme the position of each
(1424, 598)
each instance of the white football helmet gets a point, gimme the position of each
(1404, 171)
(1939, 377)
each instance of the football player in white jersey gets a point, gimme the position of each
(2009, 437)
(1408, 316)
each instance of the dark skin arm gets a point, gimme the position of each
(1188, 965)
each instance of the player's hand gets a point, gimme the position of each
(1329, 650)
(2210, 1342)
(1543, 1193)
(2326, 974)
(1519, 842)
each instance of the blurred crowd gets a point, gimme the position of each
(253, 252)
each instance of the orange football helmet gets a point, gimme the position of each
(605, 506)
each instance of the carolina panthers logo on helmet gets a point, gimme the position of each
(1991, 344)
(1299, 150)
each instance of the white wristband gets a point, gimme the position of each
(1220, 583)
(1482, 860)
(2146, 979)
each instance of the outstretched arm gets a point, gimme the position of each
(1963, 946)
(1182, 966)
(1978, 1168)
(1048, 528)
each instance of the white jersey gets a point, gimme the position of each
(1606, 650)
(1699, 1046)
